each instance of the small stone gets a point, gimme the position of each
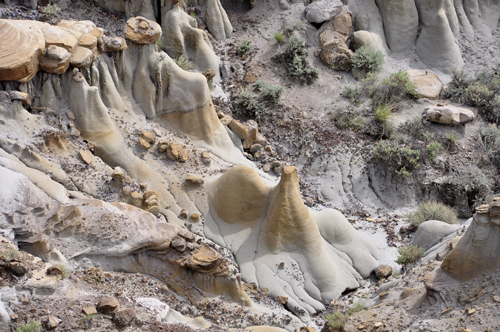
(446, 311)
(135, 199)
(309, 201)
(209, 74)
(383, 294)
(205, 157)
(52, 322)
(86, 156)
(250, 77)
(470, 311)
(276, 163)
(184, 155)
(124, 317)
(282, 299)
(144, 144)
(118, 173)
(195, 216)
(89, 311)
(148, 136)
(496, 298)
(184, 214)
(255, 147)
(70, 115)
(370, 219)
(383, 271)
(378, 324)
(239, 128)
(266, 168)
(193, 178)
(361, 327)
(108, 305)
(54, 271)
(74, 132)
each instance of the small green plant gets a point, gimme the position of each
(415, 127)
(337, 320)
(31, 326)
(452, 138)
(91, 316)
(432, 210)
(160, 44)
(270, 93)
(382, 113)
(488, 140)
(193, 14)
(294, 58)
(433, 149)
(9, 256)
(409, 254)
(279, 37)
(183, 62)
(402, 160)
(345, 119)
(428, 135)
(352, 92)
(358, 306)
(367, 60)
(51, 10)
(245, 47)
(296, 25)
(394, 91)
(65, 272)
(395, 273)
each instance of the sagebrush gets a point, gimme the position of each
(409, 254)
(367, 60)
(245, 47)
(403, 160)
(294, 58)
(31, 326)
(183, 62)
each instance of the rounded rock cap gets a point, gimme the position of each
(140, 30)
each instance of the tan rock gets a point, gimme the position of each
(124, 318)
(108, 305)
(226, 119)
(282, 299)
(250, 77)
(51, 322)
(209, 74)
(341, 24)
(334, 51)
(253, 133)
(140, 30)
(378, 324)
(59, 36)
(195, 216)
(135, 199)
(22, 47)
(149, 136)
(184, 155)
(118, 173)
(383, 294)
(54, 271)
(86, 156)
(194, 178)
(89, 311)
(82, 57)
(383, 271)
(88, 41)
(428, 84)
(112, 44)
(205, 157)
(55, 66)
(144, 144)
(97, 32)
(163, 145)
(239, 128)
(56, 53)
(448, 114)
(174, 151)
(184, 213)
(470, 311)
(21, 96)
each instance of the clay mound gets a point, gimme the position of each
(22, 45)
(478, 249)
(310, 258)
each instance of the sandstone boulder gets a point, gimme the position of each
(238, 128)
(323, 10)
(112, 44)
(450, 115)
(23, 45)
(107, 305)
(428, 84)
(124, 318)
(369, 40)
(23, 97)
(341, 24)
(334, 52)
(82, 57)
(140, 30)
(383, 271)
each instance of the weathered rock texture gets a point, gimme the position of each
(309, 257)
(477, 251)
(448, 114)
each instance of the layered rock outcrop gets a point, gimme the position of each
(310, 257)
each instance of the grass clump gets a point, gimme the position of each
(30, 326)
(161, 45)
(296, 25)
(433, 149)
(245, 47)
(401, 160)
(65, 272)
(183, 62)
(432, 210)
(415, 127)
(337, 320)
(279, 37)
(51, 10)
(382, 113)
(394, 90)
(409, 254)
(294, 58)
(367, 60)
(358, 306)
(350, 120)
(353, 93)
(481, 91)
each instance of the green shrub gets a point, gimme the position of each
(270, 93)
(279, 36)
(469, 183)
(345, 119)
(294, 58)
(433, 149)
(337, 320)
(160, 44)
(297, 25)
(432, 210)
(394, 90)
(51, 10)
(352, 92)
(65, 272)
(382, 113)
(415, 127)
(183, 62)
(367, 60)
(399, 159)
(358, 306)
(488, 140)
(409, 254)
(247, 99)
(30, 326)
(245, 47)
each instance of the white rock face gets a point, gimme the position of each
(400, 23)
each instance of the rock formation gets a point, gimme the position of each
(450, 115)
(310, 257)
(476, 252)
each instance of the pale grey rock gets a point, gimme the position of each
(323, 10)
(400, 20)
(448, 114)
(429, 233)
(217, 21)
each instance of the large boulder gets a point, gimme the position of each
(341, 24)
(369, 40)
(428, 84)
(431, 232)
(334, 51)
(22, 47)
(140, 30)
(448, 114)
(323, 10)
